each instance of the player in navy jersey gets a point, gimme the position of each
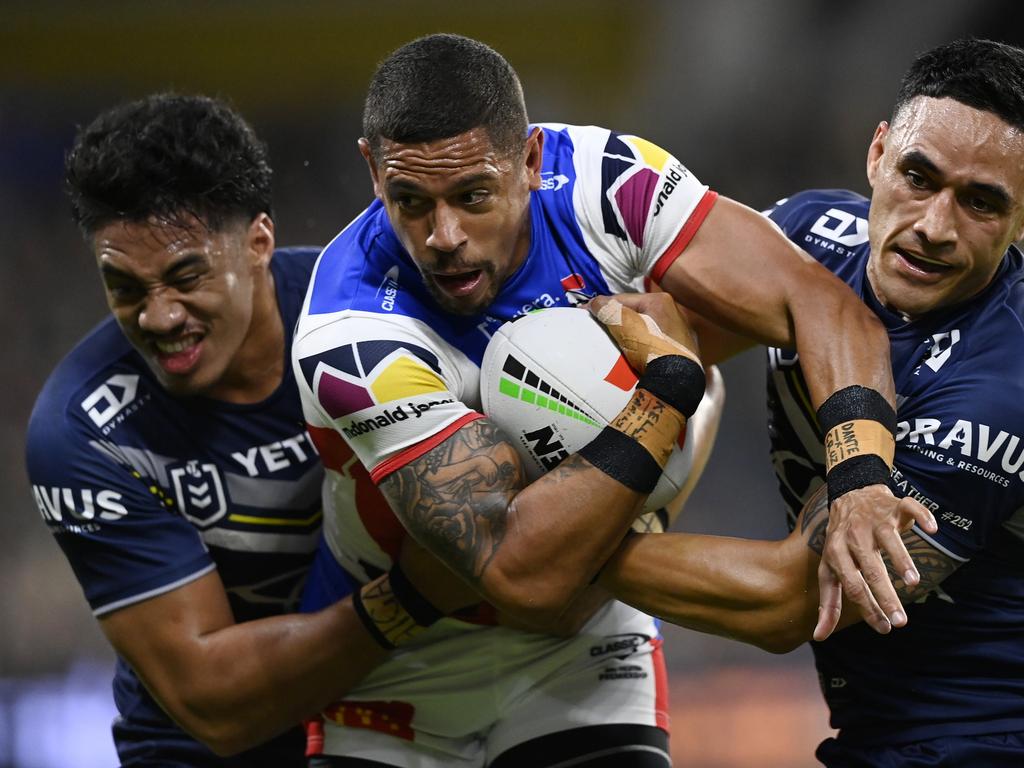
(479, 218)
(168, 455)
(932, 255)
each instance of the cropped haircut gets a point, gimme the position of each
(443, 85)
(982, 74)
(170, 157)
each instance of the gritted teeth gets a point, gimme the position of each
(166, 347)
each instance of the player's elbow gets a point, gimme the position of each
(539, 601)
(225, 733)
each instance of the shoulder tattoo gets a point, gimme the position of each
(454, 499)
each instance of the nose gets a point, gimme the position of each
(161, 313)
(937, 223)
(446, 230)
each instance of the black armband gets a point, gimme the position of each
(624, 459)
(676, 380)
(858, 426)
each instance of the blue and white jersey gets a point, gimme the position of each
(146, 492)
(385, 374)
(958, 667)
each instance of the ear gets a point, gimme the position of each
(364, 150)
(875, 151)
(260, 239)
(534, 157)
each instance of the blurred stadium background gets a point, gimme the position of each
(758, 99)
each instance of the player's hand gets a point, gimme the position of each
(645, 326)
(863, 525)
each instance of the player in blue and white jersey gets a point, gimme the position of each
(167, 452)
(932, 255)
(481, 218)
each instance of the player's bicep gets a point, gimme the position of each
(454, 499)
(158, 637)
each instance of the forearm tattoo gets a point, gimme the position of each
(932, 565)
(454, 499)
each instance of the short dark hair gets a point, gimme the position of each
(982, 74)
(442, 85)
(167, 156)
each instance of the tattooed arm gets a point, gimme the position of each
(759, 592)
(532, 549)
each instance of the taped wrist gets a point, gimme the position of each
(858, 425)
(393, 610)
(624, 459)
(676, 380)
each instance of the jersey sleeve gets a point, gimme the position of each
(388, 388)
(961, 457)
(122, 536)
(638, 206)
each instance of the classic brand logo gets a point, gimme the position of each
(631, 175)
(110, 398)
(199, 492)
(77, 504)
(549, 182)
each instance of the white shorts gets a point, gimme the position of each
(462, 694)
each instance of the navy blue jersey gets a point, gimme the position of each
(958, 667)
(146, 492)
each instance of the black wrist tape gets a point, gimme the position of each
(852, 404)
(368, 622)
(622, 458)
(411, 599)
(676, 380)
(858, 472)
(856, 402)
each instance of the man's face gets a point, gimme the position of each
(947, 192)
(461, 210)
(184, 296)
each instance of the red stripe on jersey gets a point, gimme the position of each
(661, 716)
(684, 237)
(314, 736)
(373, 509)
(399, 460)
(334, 451)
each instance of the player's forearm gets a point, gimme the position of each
(240, 685)
(752, 591)
(743, 274)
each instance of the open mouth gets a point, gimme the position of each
(178, 356)
(917, 263)
(461, 283)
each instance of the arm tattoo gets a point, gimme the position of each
(454, 499)
(932, 565)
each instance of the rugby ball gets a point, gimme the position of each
(551, 380)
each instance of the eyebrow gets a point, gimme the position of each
(401, 185)
(186, 262)
(919, 158)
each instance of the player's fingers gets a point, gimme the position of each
(892, 545)
(830, 602)
(880, 587)
(840, 555)
(639, 337)
(911, 511)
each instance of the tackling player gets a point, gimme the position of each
(479, 218)
(167, 454)
(932, 255)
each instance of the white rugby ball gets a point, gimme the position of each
(551, 380)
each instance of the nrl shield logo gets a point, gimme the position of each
(200, 493)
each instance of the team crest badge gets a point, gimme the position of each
(200, 493)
